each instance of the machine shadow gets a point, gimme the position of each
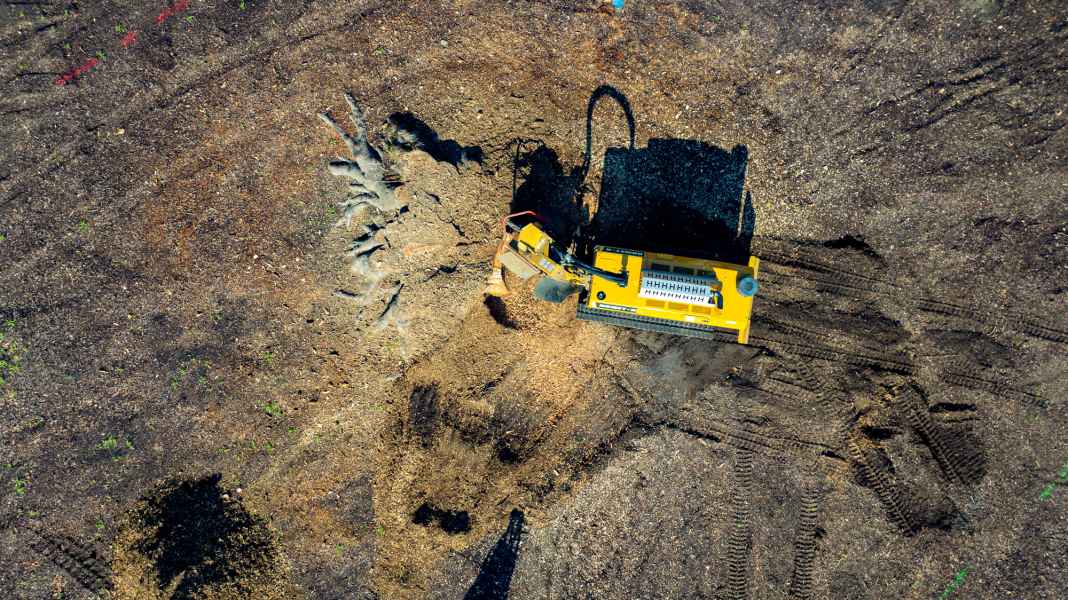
(678, 196)
(495, 575)
(557, 197)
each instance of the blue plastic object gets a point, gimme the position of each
(617, 4)
(747, 286)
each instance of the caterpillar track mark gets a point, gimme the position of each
(1041, 331)
(776, 277)
(792, 388)
(827, 395)
(1011, 320)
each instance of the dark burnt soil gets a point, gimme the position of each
(188, 309)
(196, 542)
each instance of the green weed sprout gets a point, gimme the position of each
(1047, 492)
(957, 580)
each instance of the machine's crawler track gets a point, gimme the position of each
(654, 324)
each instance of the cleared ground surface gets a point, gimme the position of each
(214, 387)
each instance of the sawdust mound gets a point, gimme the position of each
(191, 540)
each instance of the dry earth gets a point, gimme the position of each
(219, 382)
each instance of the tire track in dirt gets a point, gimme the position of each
(986, 76)
(77, 560)
(805, 542)
(819, 345)
(763, 389)
(831, 396)
(828, 340)
(810, 380)
(884, 486)
(790, 388)
(967, 380)
(1020, 322)
(957, 465)
(806, 347)
(1029, 63)
(231, 59)
(867, 287)
(739, 541)
(744, 439)
(795, 266)
(775, 277)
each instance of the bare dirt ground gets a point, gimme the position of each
(219, 382)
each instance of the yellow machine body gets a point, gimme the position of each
(640, 290)
(531, 246)
(670, 293)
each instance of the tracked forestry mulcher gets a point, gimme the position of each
(630, 288)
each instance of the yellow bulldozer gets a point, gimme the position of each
(630, 288)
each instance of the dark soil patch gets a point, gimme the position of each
(423, 412)
(852, 243)
(200, 541)
(450, 521)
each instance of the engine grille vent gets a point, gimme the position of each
(677, 287)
